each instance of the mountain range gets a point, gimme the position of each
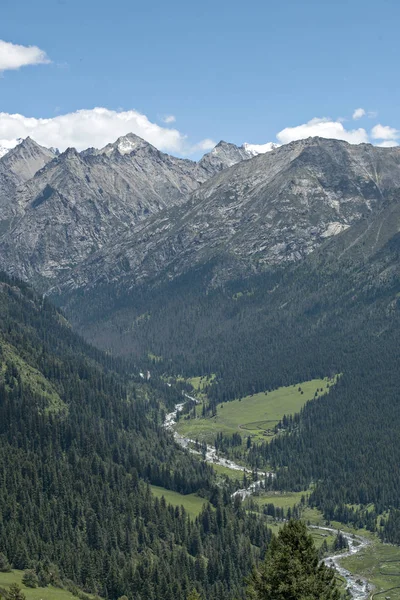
(127, 215)
(59, 209)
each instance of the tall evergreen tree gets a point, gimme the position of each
(292, 570)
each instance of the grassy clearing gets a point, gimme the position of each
(281, 499)
(199, 383)
(254, 415)
(231, 473)
(40, 593)
(193, 504)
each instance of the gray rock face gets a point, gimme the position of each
(221, 157)
(16, 167)
(78, 203)
(276, 208)
(25, 160)
(128, 213)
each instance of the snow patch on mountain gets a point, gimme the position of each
(255, 149)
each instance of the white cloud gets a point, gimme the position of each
(202, 146)
(96, 127)
(388, 144)
(322, 128)
(384, 132)
(169, 119)
(14, 56)
(358, 113)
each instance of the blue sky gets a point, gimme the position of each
(239, 71)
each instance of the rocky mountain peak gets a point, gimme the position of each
(223, 156)
(25, 160)
(69, 153)
(125, 145)
(273, 209)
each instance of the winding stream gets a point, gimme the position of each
(211, 454)
(358, 587)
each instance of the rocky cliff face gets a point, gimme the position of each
(59, 209)
(16, 167)
(273, 209)
(221, 157)
(25, 160)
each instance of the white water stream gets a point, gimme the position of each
(358, 587)
(211, 454)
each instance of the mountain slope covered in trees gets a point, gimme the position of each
(78, 442)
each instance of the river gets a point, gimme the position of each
(358, 587)
(211, 454)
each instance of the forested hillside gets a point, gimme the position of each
(78, 442)
(336, 312)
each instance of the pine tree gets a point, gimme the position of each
(292, 570)
(15, 592)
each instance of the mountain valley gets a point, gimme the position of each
(240, 279)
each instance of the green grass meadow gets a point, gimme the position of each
(39, 593)
(280, 499)
(193, 504)
(254, 415)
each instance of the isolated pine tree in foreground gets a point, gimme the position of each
(291, 570)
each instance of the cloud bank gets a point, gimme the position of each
(98, 127)
(93, 128)
(380, 135)
(325, 128)
(14, 56)
(384, 132)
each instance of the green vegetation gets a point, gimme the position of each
(380, 565)
(38, 593)
(292, 569)
(281, 499)
(199, 383)
(30, 377)
(256, 415)
(192, 503)
(233, 474)
(75, 492)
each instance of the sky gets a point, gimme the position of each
(184, 75)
